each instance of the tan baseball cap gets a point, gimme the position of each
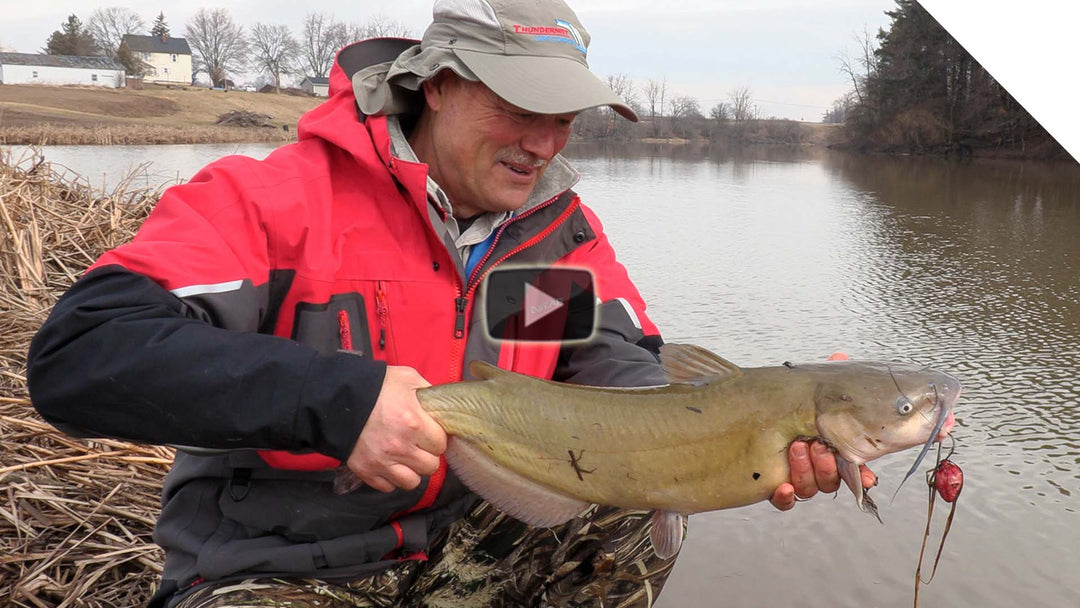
(529, 52)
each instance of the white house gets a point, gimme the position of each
(167, 60)
(29, 68)
(316, 85)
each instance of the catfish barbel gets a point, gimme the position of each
(716, 437)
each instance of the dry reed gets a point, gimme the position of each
(41, 134)
(75, 516)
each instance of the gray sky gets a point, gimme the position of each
(785, 51)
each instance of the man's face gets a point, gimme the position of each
(486, 154)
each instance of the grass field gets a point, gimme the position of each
(35, 114)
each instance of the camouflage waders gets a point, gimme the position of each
(600, 559)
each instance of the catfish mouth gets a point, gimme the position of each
(947, 394)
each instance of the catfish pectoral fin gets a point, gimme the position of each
(667, 533)
(868, 505)
(849, 472)
(509, 492)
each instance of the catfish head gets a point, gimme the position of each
(868, 409)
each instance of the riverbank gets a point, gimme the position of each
(47, 115)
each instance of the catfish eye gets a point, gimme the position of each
(904, 406)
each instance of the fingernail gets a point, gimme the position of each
(819, 448)
(799, 450)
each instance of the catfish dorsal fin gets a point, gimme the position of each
(689, 364)
(482, 370)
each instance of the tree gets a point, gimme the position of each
(920, 91)
(615, 125)
(684, 108)
(840, 108)
(866, 61)
(273, 51)
(743, 111)
(71, 39)
(720, 112)
(160, 29)
(742, 105)
(322, 37)
(219, 44)
(655, 90)
(108, 26)
(131, 62)
(381, 26)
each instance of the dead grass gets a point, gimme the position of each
(75, 516)
(31, 114)
(49, 134)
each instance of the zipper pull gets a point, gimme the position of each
(459, 324)
(382, 311)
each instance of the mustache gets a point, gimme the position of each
(517, 156)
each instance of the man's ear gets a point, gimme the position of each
(435, 88)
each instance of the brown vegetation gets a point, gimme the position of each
(76, 516)
(37, 115)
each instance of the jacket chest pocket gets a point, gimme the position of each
(339, 324)
(357, 321)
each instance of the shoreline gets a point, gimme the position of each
(48, 134)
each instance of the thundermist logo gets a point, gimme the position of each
(563, 31)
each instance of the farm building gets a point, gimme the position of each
(167, 60)
(29, 68)
(315, 85)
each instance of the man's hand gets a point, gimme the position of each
(400, 441)
(813, 469)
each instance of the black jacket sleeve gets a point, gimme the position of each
(122, 357)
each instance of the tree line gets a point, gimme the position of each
(666, 114)
(221, 48)
(918, 90)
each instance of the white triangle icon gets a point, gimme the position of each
(539, 304)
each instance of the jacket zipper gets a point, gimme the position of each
(461, 302)
(382, 310)
(344, 331)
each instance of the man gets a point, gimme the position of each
(275, 318)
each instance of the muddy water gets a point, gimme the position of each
(773, 255)
(973, 268)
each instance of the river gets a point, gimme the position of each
(777, 255)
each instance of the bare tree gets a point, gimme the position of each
(273, 51)
(381, 26)
(684, 106)
(742, 105)
(218, 42)
(743, 111)
(866, 61)
(720, 112)
(653, 96)
(683, 109)
(108, 26)
(322, 38)
(613, 124)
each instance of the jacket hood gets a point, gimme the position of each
(338, 120)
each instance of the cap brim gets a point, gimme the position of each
(546, 85)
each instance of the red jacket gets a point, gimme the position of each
(222, 324)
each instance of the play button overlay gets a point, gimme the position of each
(539, 304)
